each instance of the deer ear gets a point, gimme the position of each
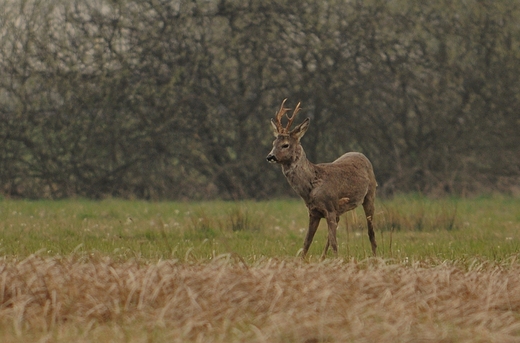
(275, 128)
(300, 130)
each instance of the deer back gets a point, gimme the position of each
(350, 176)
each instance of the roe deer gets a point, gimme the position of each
(328, 189)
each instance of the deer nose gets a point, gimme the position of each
(271, 158)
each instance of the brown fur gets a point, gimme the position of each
(328, 189)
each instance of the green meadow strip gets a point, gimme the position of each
(408, 228)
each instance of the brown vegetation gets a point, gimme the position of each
(274, 301)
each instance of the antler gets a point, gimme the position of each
(279, 115)
(291, 118)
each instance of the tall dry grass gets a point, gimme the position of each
(98, 299)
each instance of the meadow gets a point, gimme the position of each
(135, 271)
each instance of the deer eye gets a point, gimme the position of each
(285, 146)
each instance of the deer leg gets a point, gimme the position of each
(314, 221)
(325, 250)
(368, 207)
(328, 243)
(332, 223)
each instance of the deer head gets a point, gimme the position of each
(286, 146)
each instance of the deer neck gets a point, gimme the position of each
(300, 174)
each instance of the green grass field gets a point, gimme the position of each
(134, 271)
(408, 228)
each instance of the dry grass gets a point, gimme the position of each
(98, 299)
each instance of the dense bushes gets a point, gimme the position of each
(172, 99)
